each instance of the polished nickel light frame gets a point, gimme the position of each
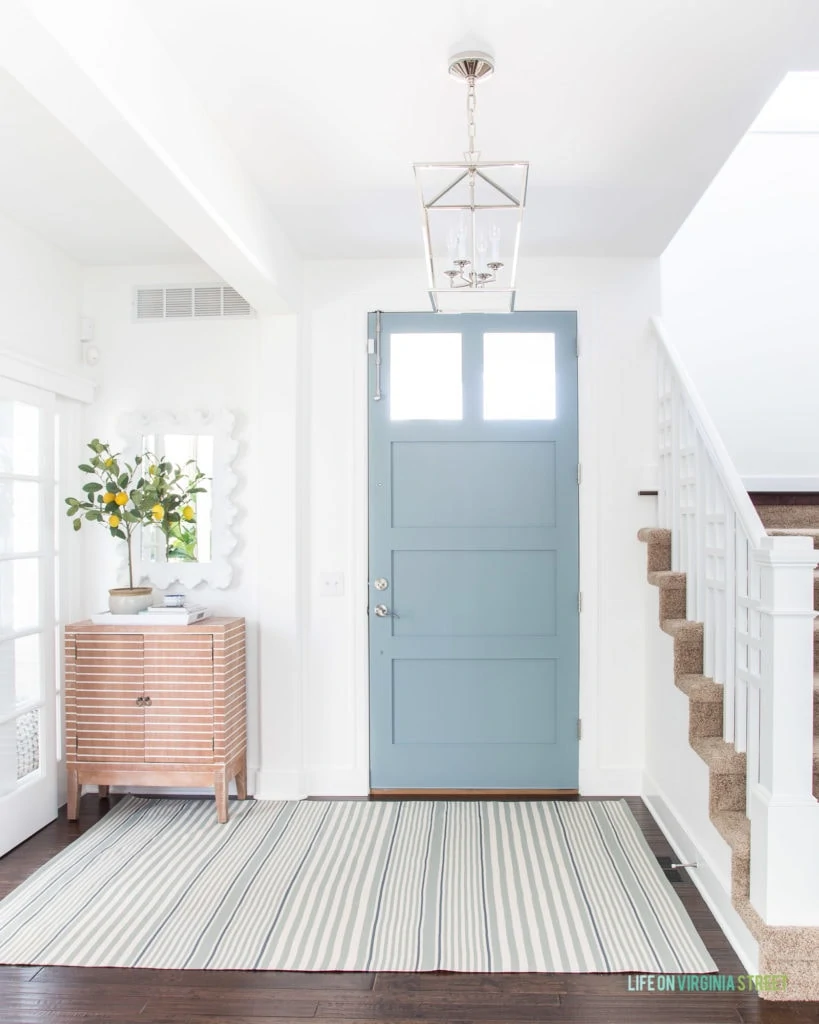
(474, 284)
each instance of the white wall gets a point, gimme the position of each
(301, 401)
(40, 299)
(249, 368)
(739, 298)
(614, 299)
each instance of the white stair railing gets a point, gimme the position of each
(754, 595)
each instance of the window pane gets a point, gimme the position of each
(425, 377)
(25, 667)
(19, 594)
(28, 743)
(19, 438)
(519, 377)
(19, 516)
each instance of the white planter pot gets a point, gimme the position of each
(129, 600)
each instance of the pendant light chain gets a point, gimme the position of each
(471, 104)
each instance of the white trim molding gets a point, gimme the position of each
(781, 483)
(58, 382)
(218, 572)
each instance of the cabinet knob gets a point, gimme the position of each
(140, 701)
(147, 702)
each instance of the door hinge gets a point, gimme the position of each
(580, 729)
(579, 473)
(580, 601)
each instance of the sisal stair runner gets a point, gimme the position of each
(782, 950)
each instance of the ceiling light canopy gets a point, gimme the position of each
(472, 213)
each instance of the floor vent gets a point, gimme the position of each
(190, 302)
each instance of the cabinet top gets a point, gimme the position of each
(216, 623)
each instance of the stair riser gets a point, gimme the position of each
(704, 719)
(659, 557)
(725, 793)
(740, 878)
(687, 657)
(672, 604)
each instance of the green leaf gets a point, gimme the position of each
(77, 524)
(116, 532)
(86, 468)
(123, 480)
(131, 517)
(91, 488)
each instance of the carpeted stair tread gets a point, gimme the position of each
(654, 535)
(667, 580)
(700, 688)
(814, 534)
(720, 756)
(735, 829)
(685, 629)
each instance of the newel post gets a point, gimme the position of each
(784, 815)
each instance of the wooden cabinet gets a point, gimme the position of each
(156, 706)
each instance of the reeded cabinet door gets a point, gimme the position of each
(110, 718)
(178, 698)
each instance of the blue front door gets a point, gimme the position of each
(473, 560)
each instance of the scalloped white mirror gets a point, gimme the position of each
(199, 551)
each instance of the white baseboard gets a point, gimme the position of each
(781, 483)
(280, 785)
(703, 876)
(334, 780)
(611, 782)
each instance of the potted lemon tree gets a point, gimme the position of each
(123, 496)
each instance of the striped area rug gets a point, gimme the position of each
(356, 886)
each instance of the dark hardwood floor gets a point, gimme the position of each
(66, 995)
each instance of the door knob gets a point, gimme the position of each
(382, 611)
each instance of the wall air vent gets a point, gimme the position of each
(190, 302)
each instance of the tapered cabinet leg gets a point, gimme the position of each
(220, 784)
(241, 782)
(74, 791)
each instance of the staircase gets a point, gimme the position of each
(783, 950)
(738, 595)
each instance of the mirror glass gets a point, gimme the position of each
(191, 538)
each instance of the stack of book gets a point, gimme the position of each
(157, 616)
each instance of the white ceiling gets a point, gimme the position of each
(51, 184)
(626, 110)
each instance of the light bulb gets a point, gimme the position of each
(495, 236)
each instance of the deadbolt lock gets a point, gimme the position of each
(381, 583)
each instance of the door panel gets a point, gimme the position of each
(474, 593)
(109, 687)
(473, 483)
(473, 527)
(179, 684)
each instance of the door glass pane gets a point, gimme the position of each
(27, 736)
(425, 377)
(25, 667)
(519, 377)
(19, 516)
(19, 438)
(19, 594)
